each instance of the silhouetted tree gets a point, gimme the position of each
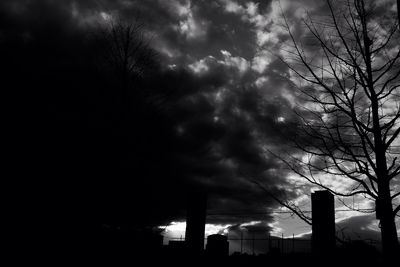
(349, 75)
(125, 52)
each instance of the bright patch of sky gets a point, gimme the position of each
(176, 230)
(237, 62)
(189, 25)
(200, 66)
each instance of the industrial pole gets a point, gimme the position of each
(293, 243)
(253, 244)
(241, 242)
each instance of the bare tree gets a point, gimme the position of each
(126, 52)
(348, 74)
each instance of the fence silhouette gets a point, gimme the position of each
(255, 245)
(250, 243)
(273, 244)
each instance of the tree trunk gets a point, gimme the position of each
(390, 243)
(398, 11)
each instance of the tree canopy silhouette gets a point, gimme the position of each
(347, 70)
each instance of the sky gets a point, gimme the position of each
(230, 101)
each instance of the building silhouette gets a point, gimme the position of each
(323, 222)
(217, 245)
(195, 222)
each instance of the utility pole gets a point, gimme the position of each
(253, 244)
(241, 242)
(293, 243)
(269, 242)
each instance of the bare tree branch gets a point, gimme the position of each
(351, 124)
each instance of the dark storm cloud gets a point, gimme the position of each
(259, 229)
(202, 129)
(220, 150)
(22, 17)
(219, 153)
(182, 30)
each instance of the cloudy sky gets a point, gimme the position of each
(231, 99)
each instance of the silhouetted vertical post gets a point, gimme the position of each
(293, 243)
(241, 242)
(269, 242)
(195, 222)
(253, 243)
(323, 222)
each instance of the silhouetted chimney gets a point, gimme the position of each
(323, 222)
(217, 245)
(195, 222)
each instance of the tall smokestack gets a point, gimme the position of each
(323, 222)
(195, 222)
